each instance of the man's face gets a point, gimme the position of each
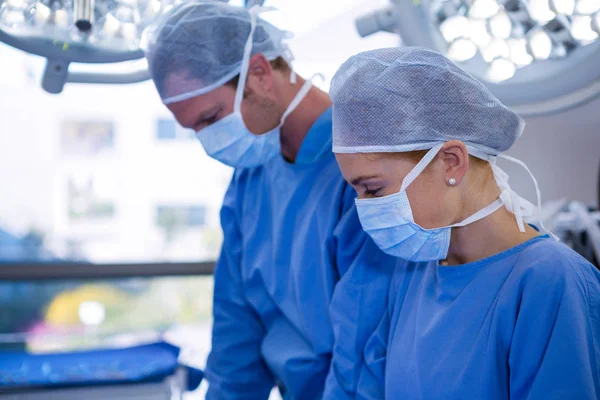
(261, 110)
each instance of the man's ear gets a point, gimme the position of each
(260, 75)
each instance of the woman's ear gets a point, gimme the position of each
(456, 161)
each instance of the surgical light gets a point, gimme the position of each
(81, 31)
(517, 32)
(535, 55)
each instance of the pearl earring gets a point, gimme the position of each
(451, 181)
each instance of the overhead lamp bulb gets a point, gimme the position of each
(462, 50)
(454, 27)
(540, 45)
(501, 69)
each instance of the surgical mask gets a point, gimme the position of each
(390, 223)
(229, 140)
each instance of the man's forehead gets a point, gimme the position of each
(178, 83)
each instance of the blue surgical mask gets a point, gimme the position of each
(390, 223)
(228, 140)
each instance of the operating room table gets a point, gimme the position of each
(149, 372)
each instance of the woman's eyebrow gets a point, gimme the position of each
(360, 179)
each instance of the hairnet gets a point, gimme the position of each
(409, 98)
(199, 44)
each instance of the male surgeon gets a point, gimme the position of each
(290, 226)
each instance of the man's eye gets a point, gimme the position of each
(373, 192)
(210, 120)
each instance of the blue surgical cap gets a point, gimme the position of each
(409, 98)
(198, 46)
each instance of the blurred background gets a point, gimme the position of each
(98, 183)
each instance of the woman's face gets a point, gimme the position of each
(434, 203)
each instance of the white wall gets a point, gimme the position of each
(563, 152)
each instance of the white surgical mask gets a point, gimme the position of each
(390, 223)
(229, 140)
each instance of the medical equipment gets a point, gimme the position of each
(576, 225)
(537, 56)
(68, 32)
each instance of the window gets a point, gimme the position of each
(86, 138)
(180, 216)
(166, 129)
(88, 199)
(169, 129)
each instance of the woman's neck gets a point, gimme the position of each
(489, 236)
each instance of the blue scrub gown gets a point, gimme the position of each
(290, 232)
(524, 324)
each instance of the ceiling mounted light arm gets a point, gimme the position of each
(57, 74)
(123, 78)
(61, 54)
(384, 20)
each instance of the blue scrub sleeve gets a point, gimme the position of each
(554, 351)
(371, 380)
(235, 368)
(359, 303)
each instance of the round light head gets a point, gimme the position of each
(542, 52)
(105, 25)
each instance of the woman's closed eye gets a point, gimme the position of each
(373, 191)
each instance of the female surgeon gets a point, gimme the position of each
(486, 306)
